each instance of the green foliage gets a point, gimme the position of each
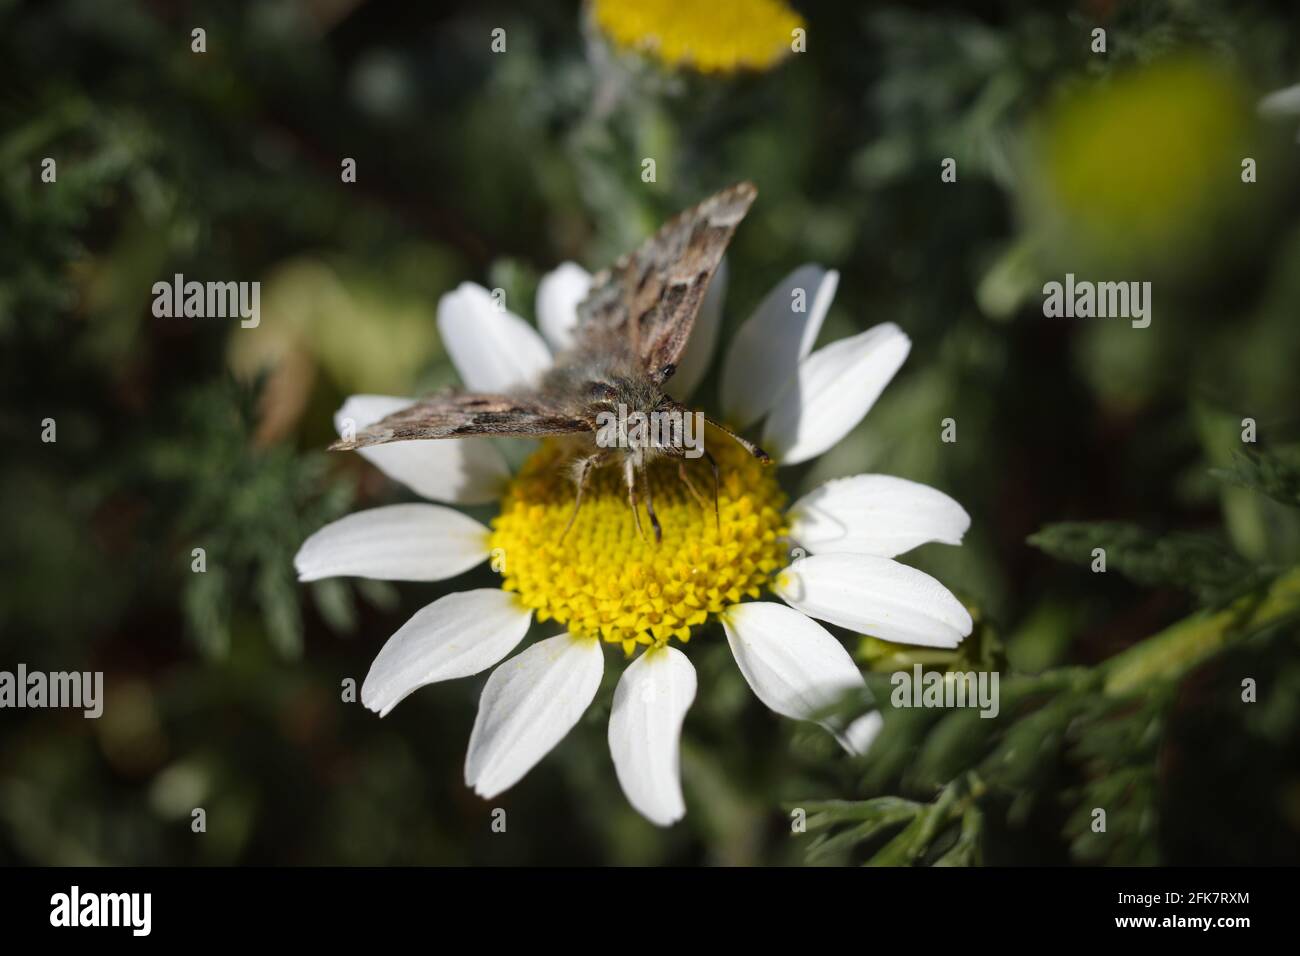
(1276, 474)
(862, 823)
(945, 832)
(1200, 563)
(248, 507)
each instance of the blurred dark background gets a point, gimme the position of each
(223, 688)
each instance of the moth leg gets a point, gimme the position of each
(650, 507)
(690, 485)
(717, 521)
(629, 476)
(581, 472)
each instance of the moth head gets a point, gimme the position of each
(621, 395)
(663, 373)
(629, 412)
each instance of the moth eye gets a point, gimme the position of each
(666, 372)
(602, 391)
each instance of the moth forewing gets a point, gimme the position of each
(632, 329)
(652, 294)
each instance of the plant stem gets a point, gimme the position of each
(1174, 651)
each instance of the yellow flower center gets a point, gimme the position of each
(604, 579)
(709, 35)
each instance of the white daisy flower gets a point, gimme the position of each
(605, 582)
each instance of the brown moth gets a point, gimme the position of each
(632, 329)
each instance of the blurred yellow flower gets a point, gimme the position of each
(721, 36)
(1145, 163)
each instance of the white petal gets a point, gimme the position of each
(794, 665)
(704, 339)
(529, 703)
(395, 543)
(875, 596)
(558, 295)
(463, 471)
(768, 348)
(645, 729)
(833, 389)
(493, 350)
(1283, 102)
(457, 635)
(875, 514)
(858, 737)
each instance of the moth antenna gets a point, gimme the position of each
(717, 521)
(744, 443)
